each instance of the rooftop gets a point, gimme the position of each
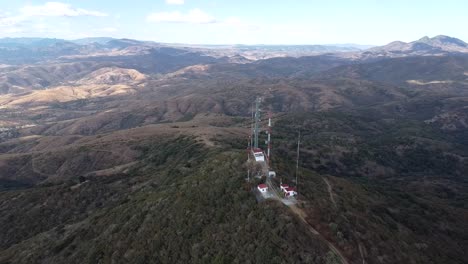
(255, 150)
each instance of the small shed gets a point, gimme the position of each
(289, 191)
(262, 188)
(258, 155)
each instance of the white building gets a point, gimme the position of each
(258, 155)
(262, 188)
(289, 191)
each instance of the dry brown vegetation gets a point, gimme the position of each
(105, 156)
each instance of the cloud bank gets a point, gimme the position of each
(57, 9)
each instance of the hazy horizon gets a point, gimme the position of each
(195, 44)
(344, 44)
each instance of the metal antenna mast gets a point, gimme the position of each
(269, 137)
(297, 159)
(257, 120)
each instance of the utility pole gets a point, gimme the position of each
(297, 159)
(251, 127)
(249, 143)
(269, 138)
(248, 148)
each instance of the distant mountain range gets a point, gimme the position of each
(32, 50)
(40, 42)
(37, 42)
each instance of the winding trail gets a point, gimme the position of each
(302, 216)
(330, 191)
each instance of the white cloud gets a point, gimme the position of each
(57, 9)
(36, 20)
(194, 16)
(175, 2)
(6, 20)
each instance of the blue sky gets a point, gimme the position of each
(237, 22)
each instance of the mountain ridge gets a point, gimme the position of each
(439, 44)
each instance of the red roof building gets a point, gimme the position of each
(290, 191)
(256, 150)
(262, 187)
